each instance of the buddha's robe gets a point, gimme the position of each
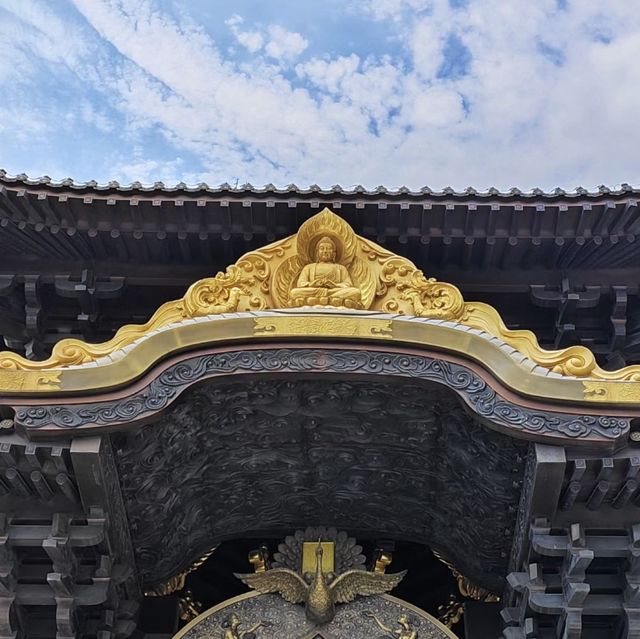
(322, 283)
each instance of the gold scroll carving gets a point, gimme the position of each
(325, 265)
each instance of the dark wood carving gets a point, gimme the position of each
(374, 458)
(481, 398)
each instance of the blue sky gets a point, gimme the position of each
(416, 92)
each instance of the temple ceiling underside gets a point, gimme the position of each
(267, 456)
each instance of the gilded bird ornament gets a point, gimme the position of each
(321, 596)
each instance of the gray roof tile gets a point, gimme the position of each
(336, 189)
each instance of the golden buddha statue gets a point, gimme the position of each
(325, 282)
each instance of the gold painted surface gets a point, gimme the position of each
(466, 587)
(309, 556)
(240, 329)
(235, 628)
(405, 631)
(451, 612)
(352, 273)
(614, 392)
(25, 380)
(323, 326)
(575, 361)
(327, 280)
(188, 607)
(212, 611)
(324, 591)
(258, 559)
(170, 586)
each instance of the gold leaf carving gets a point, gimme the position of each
(70, 352)
(177, 582)
(284, 279)
(352, 273)
(326, 223)
(466, 587)
(364, 279)
(576, 361)
(326, 270)
(402, 288)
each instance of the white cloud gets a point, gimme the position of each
(148, 171)
(436, 107)
(32, 34)
(394, 9)
(251, 40)
(426, 42)
(329, 74)
(514, 113)
(279, 43)
(284, 44)
(95, 117)
(22, 124)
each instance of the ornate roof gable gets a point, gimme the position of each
(326, 267)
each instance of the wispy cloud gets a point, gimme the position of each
(464, 92)
(149, 170)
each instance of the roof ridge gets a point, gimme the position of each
(336, 189)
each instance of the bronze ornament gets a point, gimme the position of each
(360, 619)
(405, 631)
(322, 594)
(177, 583)
(234, 629)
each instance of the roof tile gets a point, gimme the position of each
(536, 193)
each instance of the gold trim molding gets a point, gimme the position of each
(325, 265)
(323, 326)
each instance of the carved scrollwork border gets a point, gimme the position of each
(483, 400)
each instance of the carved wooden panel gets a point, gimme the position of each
(159, 394)
(269, 456)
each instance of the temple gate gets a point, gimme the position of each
(320, 383)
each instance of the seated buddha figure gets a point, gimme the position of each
(324, 282)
